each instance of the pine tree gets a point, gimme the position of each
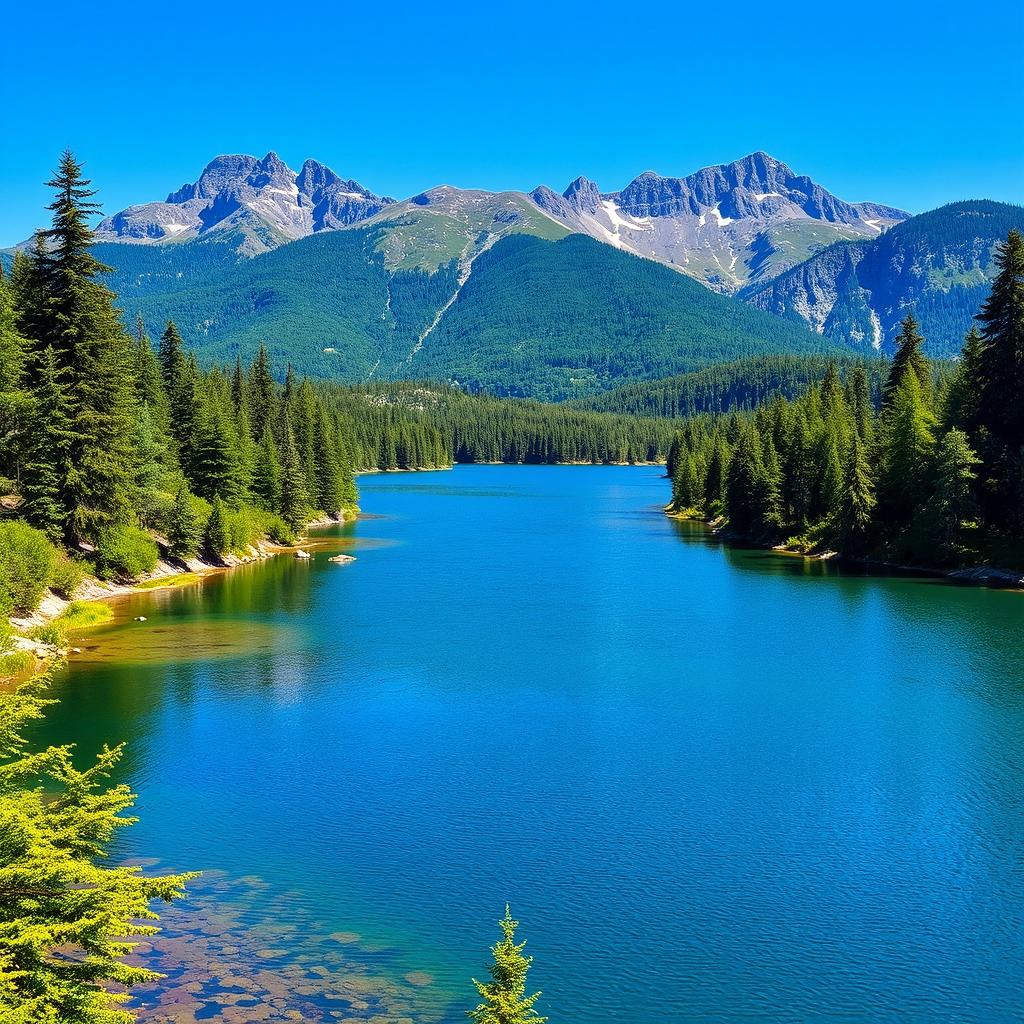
(213, 465)
(185, 407)
(79, 321)
(239, 398)
(830, 475)
(908, 359)
(963, 399)
(745, 486)
(266, 473)
(262, 394)
(216, 536)
(953, 505)
(798, 476)
(857, 501)
(860, 402)
(57, 899)
(1000, 365)
(715, 481)
(504, 999)
(907, 449)
(184, 533)
(48, 448)
(326, 462)
(172, 357)
(294, 498)
(150, 470)
(1001, 358)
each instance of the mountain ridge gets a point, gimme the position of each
(727, 225)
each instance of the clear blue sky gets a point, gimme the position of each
(909, 103)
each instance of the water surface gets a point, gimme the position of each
(715, 784)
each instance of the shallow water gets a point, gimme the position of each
(715, 784)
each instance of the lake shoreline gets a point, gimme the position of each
(169, 574)
(990, 577)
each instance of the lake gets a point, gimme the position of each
(714, 784)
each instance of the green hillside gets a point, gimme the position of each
(535, 318)
(937, 265)
(575, 317)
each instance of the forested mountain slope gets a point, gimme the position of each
(528, 316)
(938, 266)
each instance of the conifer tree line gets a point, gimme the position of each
(932, 473)
(106, 436)
(392, 425)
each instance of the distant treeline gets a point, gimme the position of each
(930, 473)
(405, 425)
(741, 385)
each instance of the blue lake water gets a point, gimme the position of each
(714, 784)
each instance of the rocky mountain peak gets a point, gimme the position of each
(264, 199)
(314, 177)
(583, 195)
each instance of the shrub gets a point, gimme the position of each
(278, 530)
(27, 559)
(125, 553)
(66, 575)
(242, 530)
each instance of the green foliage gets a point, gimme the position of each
(27, 562)
(908, 359)
(73, 314)
(953, 508)
(503, 998)
(124, 553)
(537, 318)
(184, 533)
(217, 533)
(66, 575)
(67, 923)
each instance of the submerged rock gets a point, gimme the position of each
(302, 554)
(341, 559)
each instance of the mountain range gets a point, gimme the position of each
(727, 226)
(543, 294)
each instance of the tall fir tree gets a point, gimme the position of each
(907, 450)
(79, 322)
(952, 506)
(266, 473)
(294, 497)
(262, 394)
(1000, 364)
(49, 447)
(1001, 359)
(857, 501)
(184, 534)
(908, 359)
